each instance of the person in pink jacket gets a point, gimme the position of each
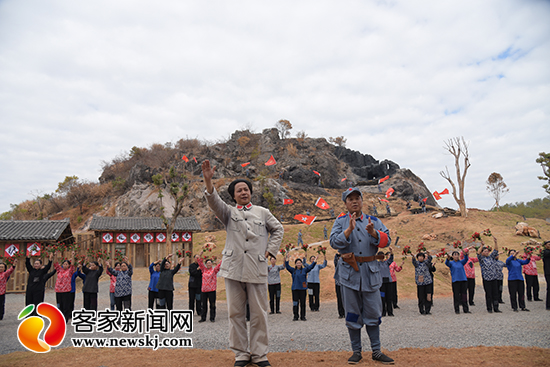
(393, 285)
(112, 285)
(4, 276)
(470, 271)
(532, 278)
(208, 290)
(63, 285)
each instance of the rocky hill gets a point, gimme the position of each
(305, 169)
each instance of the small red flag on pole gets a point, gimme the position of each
(271, 161)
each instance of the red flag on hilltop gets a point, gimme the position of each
(185, 159)
(424, 200)
(195, 159)
(342, 180)
(444, 192)
(389, 192)
(245, 164)
(384, 200)
(271, 161)
(436, 195)
(287, 201)
(320, 203)
(383, 179)
(317, 173)
(307, 219)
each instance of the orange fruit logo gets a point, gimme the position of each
(31, 327)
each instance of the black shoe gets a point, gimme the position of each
(262, 363)
(381, 357)
(241, 363)
(355, 358)
(278, 312)
(501, 302)
(428, 313)
(303, 319)
(295, 319)
(490, 311)
(467, 312)
(472, 304)
(515, 310)
(395, 306)
(457, 312)
(538, 300)
(271, 313)
(524, 309)
(341, 316)
(212, 320)
(390, 314)
(202, 320)
(529, 300)
(498, 311)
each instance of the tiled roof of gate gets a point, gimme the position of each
(32, 230)
(141, 224)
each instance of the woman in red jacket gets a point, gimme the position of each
(208, 290)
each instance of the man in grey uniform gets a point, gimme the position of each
(253, 233)
(357, 237)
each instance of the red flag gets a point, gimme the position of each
(271, 161)
(383, 179)
(444, 192)
(185, 159)
(317, 173)
(245, 164)
(287, 201)
(384, 200)
(436, 195)
(195, 159)
(320, 203)
(341, 214)
(389, 192)
(342, 180)
(424, 200)
(307, 219)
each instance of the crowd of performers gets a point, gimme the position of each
(365, 276)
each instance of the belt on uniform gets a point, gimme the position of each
(364, 259)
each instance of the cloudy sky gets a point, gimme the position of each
(82, 82)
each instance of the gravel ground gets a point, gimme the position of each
(323, 331)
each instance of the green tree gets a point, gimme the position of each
(496, 187)
(544, 161)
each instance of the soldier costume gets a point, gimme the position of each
(360, 277)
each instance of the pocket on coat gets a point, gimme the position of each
(226, 259)
(262, 265)
(236, 223)
(258, 227)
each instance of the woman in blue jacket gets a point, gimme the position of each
(516, 287)
(154, 270)
(299, 286)
(460, 282)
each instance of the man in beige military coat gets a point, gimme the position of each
(253, 233)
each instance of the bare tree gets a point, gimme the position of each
(179, 189)
(458, 149)
(496, 187)
(284, 127)
(339, 140)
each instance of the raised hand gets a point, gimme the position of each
(371, 230)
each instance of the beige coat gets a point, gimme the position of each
(251, 231)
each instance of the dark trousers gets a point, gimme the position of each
(195, 302)
(208, 297)
(168, 297)
(547, 277)
(424, 294)
(71, 303)
(500, 283)
(124, 302)
(392, 290)
(299, 300)
(387, 299)
(34, 297)
(341, 310)
(90, 301)
(64, 301)
(491, 294)
(471, 290)
(313, 290)
(517, 293)
(274, 297)
(459, 295)
(151, 297)
(2, 305)
(532, 285)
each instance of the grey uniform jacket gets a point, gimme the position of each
(361, 243)
(251, 231)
